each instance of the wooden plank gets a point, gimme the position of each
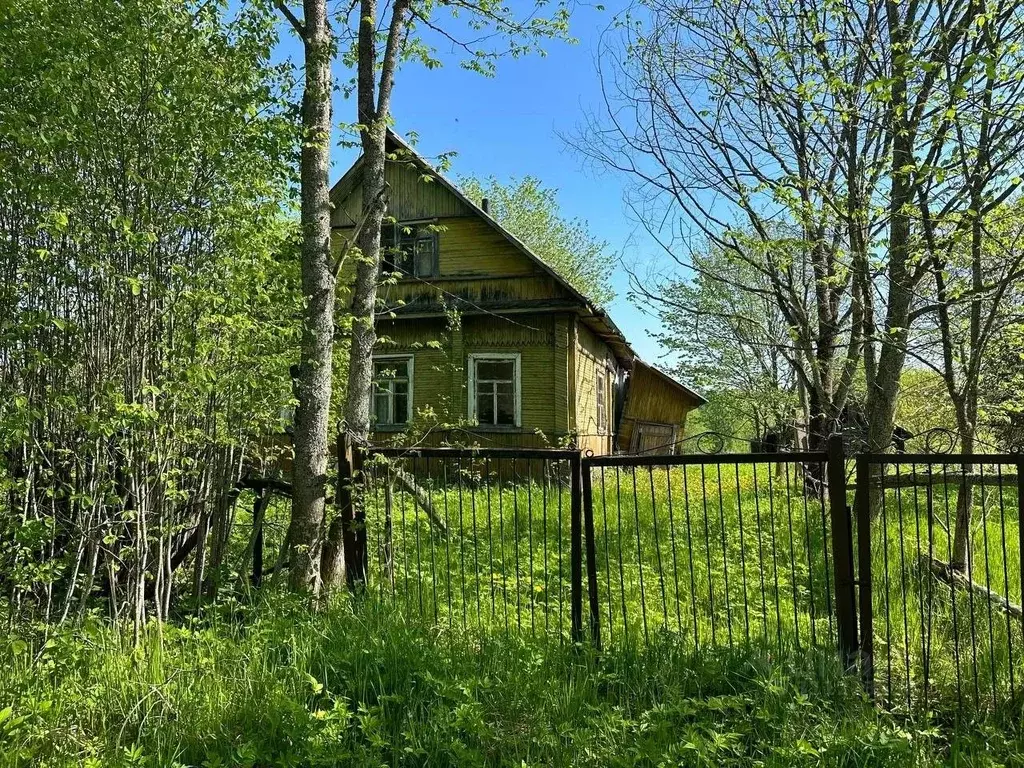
(956, 578)
(922, 480)
(421, 496)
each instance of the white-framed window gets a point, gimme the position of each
(392, 390)
(495, 389)
(602, 401)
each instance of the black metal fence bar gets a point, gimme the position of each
(918, 584)
(632, 460)
(891, 459)
(476, 539)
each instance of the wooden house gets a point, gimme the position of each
(481, 342)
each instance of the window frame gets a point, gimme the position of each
(601, 395)
(517, 387)
(410, 359)
(421, 230)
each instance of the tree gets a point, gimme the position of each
(726, 119)
(530, 211)
(1002, 386)
(375, 41)
(315, 372)
(828, 132)
(970, 306)
(730, 343)
(148, 295)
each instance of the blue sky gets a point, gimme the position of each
(510, 125)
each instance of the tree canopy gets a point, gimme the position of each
(530, 211)
(148, 295)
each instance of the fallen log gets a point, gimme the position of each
(408, 482)
(957, 578)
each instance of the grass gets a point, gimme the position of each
(718, 556)
(717, 559)
(281, 686)
(936, 646)
(714, 596)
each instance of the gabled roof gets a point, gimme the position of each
(593, 315)
(701, 400)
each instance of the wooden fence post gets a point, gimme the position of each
(348, 513)
(842, 553)
(359, 533)
(576, 548)
(589, 539)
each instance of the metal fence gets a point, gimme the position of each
(475, 539)
(780, 550)
(939, 545)
(721, 550)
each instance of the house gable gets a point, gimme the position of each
(480, 264)
(413, 194)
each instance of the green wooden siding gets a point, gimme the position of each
(409, 197)
(593, 359)
(440, 377)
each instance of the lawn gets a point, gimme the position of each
(718, 556)
(278, 685)
(714, 597)
(937, 647)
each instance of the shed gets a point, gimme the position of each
(654, 409)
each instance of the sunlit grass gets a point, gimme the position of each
(279, 685)
(718, 555)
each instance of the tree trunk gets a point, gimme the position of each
(883, 389)
(364, 289)
(312, 416)
(364, 335)
(332, 562)
(373, 87)
(960, 559)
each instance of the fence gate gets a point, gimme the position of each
(720, 550)
(939, 541)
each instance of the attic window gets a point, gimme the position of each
(409, 249)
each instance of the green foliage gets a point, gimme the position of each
(1002, 388)
(148, 294)
(290, 688)
(530, 211)
(732, 343)
(924, 402)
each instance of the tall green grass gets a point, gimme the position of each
(730, 555)
(936, 646)
(287, 687)
(721, 560)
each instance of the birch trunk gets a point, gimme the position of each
(318, 287)
(374, 106)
